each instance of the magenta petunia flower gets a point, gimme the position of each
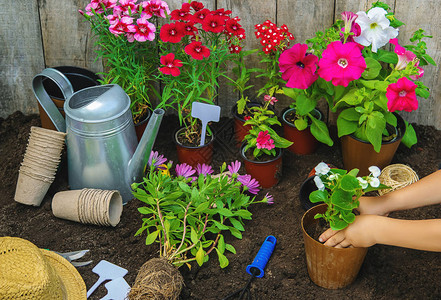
(204, 169)
(341, 63)
(144, 31)
(298, 67)
(234, 167)
(264, 141)
(401, 95)
(184, 170)
(250, 183)
(350, 25)
(170, 65)
(156, 159)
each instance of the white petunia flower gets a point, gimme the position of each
(375, 28)
(374, 182)
(375, 171)
(319, 183)
(364, 183)
(322, 169)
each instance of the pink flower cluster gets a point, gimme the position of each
(272, 37)
(264, 141)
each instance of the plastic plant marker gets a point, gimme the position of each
(256, 269)
(206, 113)
(106, 271)
(117, 289)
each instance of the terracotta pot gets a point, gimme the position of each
(79, 78)
(329, 267)
(240, 131)
(303, 140)
(193, 155)
(140, 126)
(268, 173)
(361, 155)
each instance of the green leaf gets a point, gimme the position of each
(318, 196)
(301, 124)
(223, 260)
(220, 225)
(235, 232)
(151, 237)
(348, 216)
(372, 70)
(375, 126)
(184, 187)
(193, 236)
(224, 211)
(230, 248)
(387, 56)
(346, 127)
(201, 207)
(429, 59)
(349, 183)
(320, 131)
(141, 230)
(200, 256)
(221, 244)
(409, 139)
(236, 224)
(304, 104)
(244, 214)
(342, 199)
(145, 210)
(337, 223)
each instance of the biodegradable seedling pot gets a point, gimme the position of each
(65, 205)
(30, 190)
(329, 267)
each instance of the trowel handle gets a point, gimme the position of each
(262, 256)
(96, 284)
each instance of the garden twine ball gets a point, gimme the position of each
(397, 176)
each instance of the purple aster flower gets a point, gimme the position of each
(250, 183)
(269, 199)
(204, 169)
(234, 167)
(184, 170)
(156, 159)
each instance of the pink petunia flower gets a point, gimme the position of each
(297, 67)
(197, 51)
(264, 141)
(204, 169)
(341, 63)
(184, 170)
(404, 58)
(122, 25)
(401, 95)
(350, 26)
(249, 183)
(170, 65)
(144, 31)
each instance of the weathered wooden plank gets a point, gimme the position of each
(67, 38)
(356, 6)
(21, 55)
(425, 15)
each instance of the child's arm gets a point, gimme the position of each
(368, 230)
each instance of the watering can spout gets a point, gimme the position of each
(141, 156)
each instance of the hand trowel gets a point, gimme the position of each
(106, 271)
(206, 113)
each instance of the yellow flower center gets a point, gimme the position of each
(374, 25)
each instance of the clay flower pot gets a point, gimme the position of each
(329, 267)
(268, 173)
(361, 155)
(303, 140)
(240, 131)
(193, 155)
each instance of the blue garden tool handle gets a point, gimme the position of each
(262, 256)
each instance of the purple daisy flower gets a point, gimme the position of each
(269, 199)
(249, 182)
(156, 159)
(234, 167)
(204, 169)
(184, 170)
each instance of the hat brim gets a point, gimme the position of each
(72, 281)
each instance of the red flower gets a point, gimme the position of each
(170, 65)
(182, 14)
(200, 15)
(197, 51)
(233, 27)
(197, 6)
(189, 28)
(172, 33)
(222, 12)
(213, 23)
(235, 48)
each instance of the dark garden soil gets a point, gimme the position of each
(387, 272)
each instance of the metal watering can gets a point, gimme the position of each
(102, 147)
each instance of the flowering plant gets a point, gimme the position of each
(261, 137)
(126, 34)
(362, 81)
(194, 49)
(340, 190)
(188, 213)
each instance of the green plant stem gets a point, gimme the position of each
(185, 231)
(194, 244)
(163, 227)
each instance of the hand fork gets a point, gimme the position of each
(74, 255)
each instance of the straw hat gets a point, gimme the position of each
(28, 272)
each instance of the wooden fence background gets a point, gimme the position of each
(45, 33)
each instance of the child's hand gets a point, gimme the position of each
(373, 206)
(361, 233)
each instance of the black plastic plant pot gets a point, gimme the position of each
(308, 186)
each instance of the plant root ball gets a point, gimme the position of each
(157, 280)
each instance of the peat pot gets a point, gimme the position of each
(329, 267)
(79, 78)
(268, 173)
(361, 155)
(193, 155)
(303, 140)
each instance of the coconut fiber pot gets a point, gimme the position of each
(329, 267)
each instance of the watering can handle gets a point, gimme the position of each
(262, 256)
(45, 101)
